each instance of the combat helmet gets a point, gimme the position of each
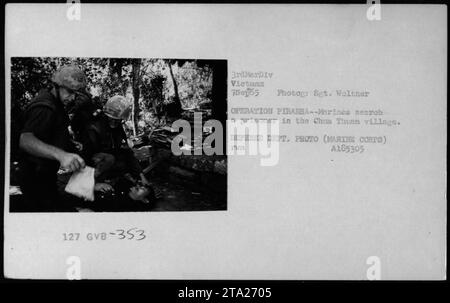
(117, 107)
(70, 77)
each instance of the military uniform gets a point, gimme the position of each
(99, 141)
(82, 114)
(46, 118)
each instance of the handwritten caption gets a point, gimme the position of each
(131, 234)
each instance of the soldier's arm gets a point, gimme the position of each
(36, 147)
(133, 163)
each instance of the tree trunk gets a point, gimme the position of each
(219, 95)
(177, 106)
(115, 67)
(136, 92)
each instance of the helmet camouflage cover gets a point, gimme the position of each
(71, 77)
(117, 107)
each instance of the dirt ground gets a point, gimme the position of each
(180, 198)
(173, 197)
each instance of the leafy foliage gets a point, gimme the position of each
(190, 82)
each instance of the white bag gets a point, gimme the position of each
(81, 183)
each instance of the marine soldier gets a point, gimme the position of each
(45, 143)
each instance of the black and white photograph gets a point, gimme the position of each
(96, 135)
(225, 141)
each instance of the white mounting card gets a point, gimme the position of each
(351, 186)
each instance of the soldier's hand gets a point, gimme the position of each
(144, 180)
(78, 145)
(103, 187)
(72, 162)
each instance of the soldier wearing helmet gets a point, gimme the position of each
(45, 142)
(105, 144)
(117, 109)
